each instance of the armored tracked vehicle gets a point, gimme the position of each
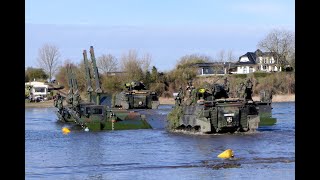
(92, 114)
(211, 110)
(136, 97)
(265, 108)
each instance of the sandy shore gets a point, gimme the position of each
(43, 104)
(276, 98)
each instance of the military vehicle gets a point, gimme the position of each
(136, 97)
(92, 114)
(211, 110)
(265, 108)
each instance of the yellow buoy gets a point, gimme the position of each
(226, 154)
(65, 130)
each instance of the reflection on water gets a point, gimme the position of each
(156, 153)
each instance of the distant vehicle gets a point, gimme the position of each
(136, 97)
(37, 91)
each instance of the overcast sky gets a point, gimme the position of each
(166, 29)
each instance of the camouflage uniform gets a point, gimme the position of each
(76, 102)
(248, 89)
(226, 85)
(179, 97)
(241, 90)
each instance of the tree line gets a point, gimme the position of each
(132, 66)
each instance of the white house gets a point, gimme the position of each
(38, 90)
(257, 61)
(214, 68)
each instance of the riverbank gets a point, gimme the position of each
(43, 104)
(276, 98)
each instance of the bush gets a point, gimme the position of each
(260, 74)
(242, 76)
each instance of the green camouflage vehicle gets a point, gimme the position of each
(136, 97)
(211, 110)
(93, 114)
(265, 108)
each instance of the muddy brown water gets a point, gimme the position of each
(156, 153)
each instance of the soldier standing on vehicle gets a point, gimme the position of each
(241, 90)
(179, 97)
(59, 103)
(76, 102)
(189, 89)
(226, 85)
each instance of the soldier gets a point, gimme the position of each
(76, 102)
(60, 103)
(189, 89)
(248, 89)
(128, 86)
(226, 85)
(69, 97)
(179, 97)
(55, 100)
(241, 90)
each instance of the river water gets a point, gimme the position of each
(156, 153)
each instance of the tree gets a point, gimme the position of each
(230, 57)
(107, 63)
(154, 74)
(220, 59)
(145, 62)
(48, 59)
(35, 73)
(279, 42)
(61, 75)
(187, 60)
(134, 66)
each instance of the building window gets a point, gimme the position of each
(39, 89)
(250, 69)
(245, 70)
(264, 60)
(264, 67)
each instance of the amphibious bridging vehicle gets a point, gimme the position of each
(93, 114)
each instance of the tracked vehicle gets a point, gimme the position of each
(93, 114)
(210, 110)
(136, 97)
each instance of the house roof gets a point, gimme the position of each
(252, 56)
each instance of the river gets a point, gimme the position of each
(156, 153)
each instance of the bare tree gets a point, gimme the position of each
(220, 59)
(130, 63)
(48, 59)
(221, 56)
(281, 43)
(145, 62)
(230, 56)
(107, 63)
